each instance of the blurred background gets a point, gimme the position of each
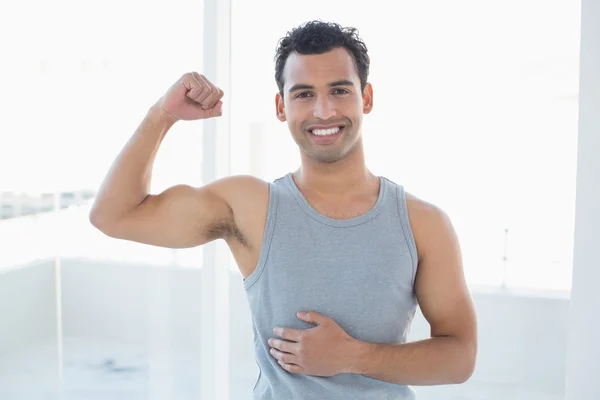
(476, 110)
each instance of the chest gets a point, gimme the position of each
(362, 280)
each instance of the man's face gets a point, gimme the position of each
(323, 103)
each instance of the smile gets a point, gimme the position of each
(327, 135)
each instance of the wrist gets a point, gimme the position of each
(360, 354)
(159, 114)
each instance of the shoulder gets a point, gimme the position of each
(247, 199)
(238, 190)
(247, 193)
(430, 224)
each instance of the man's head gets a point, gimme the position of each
(321, 70)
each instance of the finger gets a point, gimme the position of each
(282, 345)
(313, 317)
(217, 110)
(287, 358)
(288, 333)
(214, 93)
(206, 89)
(195, 87)
(292, 368)
(218, 97)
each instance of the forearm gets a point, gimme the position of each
(434, 361)
(127, 182)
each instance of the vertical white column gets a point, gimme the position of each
(583, 354)
(216, 164)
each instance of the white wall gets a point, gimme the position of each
(154, 310)
(29, 359)
(27, 307)
(130, 302)
(584, 347)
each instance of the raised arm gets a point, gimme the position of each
(182, 215)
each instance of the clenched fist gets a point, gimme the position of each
(192, 97)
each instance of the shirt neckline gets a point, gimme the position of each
(305, 205)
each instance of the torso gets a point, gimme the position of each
(251, 216)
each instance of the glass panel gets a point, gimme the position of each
(103, 318)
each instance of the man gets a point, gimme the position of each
(334, 258)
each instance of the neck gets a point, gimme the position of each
(348, 174)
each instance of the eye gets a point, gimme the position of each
(301, 95)
(340, 91)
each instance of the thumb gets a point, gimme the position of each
(216, 111)
(313, 317)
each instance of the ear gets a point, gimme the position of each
(368, 98)
(280, 108)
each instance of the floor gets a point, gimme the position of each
(105, 370)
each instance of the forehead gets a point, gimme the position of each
(319, 68)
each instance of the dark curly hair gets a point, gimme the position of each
(318, 37)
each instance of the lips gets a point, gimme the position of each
(323, 127)
(325, 132)
(326, 136)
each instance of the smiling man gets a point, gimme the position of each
(335, 259)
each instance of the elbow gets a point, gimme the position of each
(95, 219)
(99, 222)
(94, 216)
(464, 375)
(467, 367)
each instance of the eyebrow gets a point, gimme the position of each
(302, 86)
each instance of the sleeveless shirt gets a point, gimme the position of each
(359, 271)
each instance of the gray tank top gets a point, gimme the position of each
(360, 272)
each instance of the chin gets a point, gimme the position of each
(327, 157)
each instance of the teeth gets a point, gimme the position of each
(325, 132)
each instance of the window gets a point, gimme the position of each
(91, 91)
(475, 110)
(77, 79)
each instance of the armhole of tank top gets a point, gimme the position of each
(408, 233)
(267, 236)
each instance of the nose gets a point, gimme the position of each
(324, 109)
